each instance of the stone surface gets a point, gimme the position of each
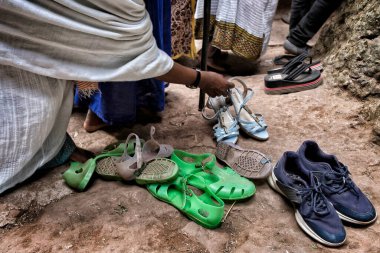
(350, 42)
(117, 217)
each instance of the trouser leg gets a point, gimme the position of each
(34, 114)
(298, 10)
(309, 25)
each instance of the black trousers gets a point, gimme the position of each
(307, 17)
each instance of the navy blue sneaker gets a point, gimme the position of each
(337, 185)
(314, 213)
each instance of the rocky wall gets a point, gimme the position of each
(350, 46)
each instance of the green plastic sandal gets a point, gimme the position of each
(106, 167)
(148, 164)
(226, 183)
(206, 209)
(79, 174)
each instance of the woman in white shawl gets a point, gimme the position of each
(46, 44)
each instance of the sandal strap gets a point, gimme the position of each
(298, 71)
(126, 165)
(245, 87)
(221, 133)
(200, 161)
(216, 114)
(289, 66)
(185, 181)
(283, 59)
(247, 95)
(258, 120)
(221, 104)
(152, 149)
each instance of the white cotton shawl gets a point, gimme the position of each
(253, 16)
(87, 40)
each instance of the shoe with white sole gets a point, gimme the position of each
(350, 202)
(314, 213)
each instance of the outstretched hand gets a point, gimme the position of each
(214, 84)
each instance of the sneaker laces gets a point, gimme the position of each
(340, 181)
(315, 196)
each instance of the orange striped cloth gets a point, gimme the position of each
(86, 89)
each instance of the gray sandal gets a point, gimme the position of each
(148, 164)
(248, 163)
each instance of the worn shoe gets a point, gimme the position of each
(293, 49)
(314, 213)
(337, 185)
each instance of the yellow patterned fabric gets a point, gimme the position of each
(86, 89)
(242, 26)
(228, 36)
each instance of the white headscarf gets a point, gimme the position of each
(92, 40)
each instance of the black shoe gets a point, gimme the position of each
(293, 49)
(300, 78)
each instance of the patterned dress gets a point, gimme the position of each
(242, 26)
(182, 27)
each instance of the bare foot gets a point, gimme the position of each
(92, 122)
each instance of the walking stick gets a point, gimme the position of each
(205, 41)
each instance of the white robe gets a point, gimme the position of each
(91, 40)
(45, 43)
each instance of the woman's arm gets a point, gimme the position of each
(212, 83)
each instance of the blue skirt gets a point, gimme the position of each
(116, 103)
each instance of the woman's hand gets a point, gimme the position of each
(214, 84)
(211, 83)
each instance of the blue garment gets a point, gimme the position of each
(116, 103)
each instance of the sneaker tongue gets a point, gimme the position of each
(299, 182)
(313, 179)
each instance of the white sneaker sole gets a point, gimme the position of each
(350, 220)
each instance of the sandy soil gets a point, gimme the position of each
(46, 216)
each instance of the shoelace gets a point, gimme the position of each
(315, 196)
(339, 182)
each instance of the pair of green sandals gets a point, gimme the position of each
(193, 183)
(147, 165)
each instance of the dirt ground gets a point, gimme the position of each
(44, 215)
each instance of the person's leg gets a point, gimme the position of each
(34, 114)
(298, 10)
(309, 25)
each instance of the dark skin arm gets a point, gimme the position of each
(211, 83)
